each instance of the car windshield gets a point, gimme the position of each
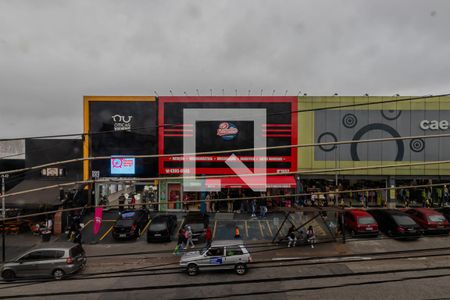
(366, 220)
(124, 223)
(157, 226)
(403, 220)
(128, 215)
(436, 218)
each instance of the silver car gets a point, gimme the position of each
(221, 255)
(56, 260)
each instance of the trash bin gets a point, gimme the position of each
(46, 236)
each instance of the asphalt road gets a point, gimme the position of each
(330, 271)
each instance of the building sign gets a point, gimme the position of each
(123, 166)
(391, 120)
(123, 126)
(227, 134)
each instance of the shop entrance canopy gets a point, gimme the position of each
(282, 181)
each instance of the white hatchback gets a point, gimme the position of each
(221, 255)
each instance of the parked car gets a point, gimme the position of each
(360, 222)
(48, 260)
(161, 228)
(130, 224)
(445, 211)
(429, 219)
(198, 223)
(221, 255)
(396, 223)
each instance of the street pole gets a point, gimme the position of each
(3, 217)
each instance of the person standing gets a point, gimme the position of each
(208, 236)
(237, 232)
(121, 202)
(181, 242)
(446, 195)
(311, 236)
(253, 205)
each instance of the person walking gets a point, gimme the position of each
(253, 206)
(291, 237)
(446, 196)
(208, 236)
(180, 242)
(311, 236)
(188, 236)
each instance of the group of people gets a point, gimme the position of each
(185, 240)
(308, 237)
(75, 229)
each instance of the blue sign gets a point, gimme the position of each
(216, 261)
(123, 166)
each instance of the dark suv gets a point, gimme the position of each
(130, 224)
(161, 228)
(396, 223)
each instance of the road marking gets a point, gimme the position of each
(260, 228)
(87, 223)
(146, 226)
(246, 228)
(107, 232)
(215, 226)
(270, 229)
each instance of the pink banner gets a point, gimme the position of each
(98, 219)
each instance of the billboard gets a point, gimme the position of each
(123, 166)
(418, 117)
(120, 126)
(278, 128)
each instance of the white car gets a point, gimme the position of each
(221, 255)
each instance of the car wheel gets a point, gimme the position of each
(192, 269)
(8, 275)
(58, 274)
(240, 269)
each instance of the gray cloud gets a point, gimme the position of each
(54, 52)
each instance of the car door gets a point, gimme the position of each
(234, 256)
(214, 258)
(49, 261)
(28, 264)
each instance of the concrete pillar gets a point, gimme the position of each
(392, 199)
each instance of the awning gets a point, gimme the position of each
(36, 199)
(282, 181)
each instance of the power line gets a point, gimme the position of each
(269, 114)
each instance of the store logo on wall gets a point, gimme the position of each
(122, 122)
(434, 125)
(227, 131)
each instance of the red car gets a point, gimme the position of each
(360, 222)
(429, 219)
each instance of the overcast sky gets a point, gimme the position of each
(54, 52)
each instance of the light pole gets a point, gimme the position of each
(3, 216)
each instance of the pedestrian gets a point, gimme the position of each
(237, 232)
(132, 202)
(263, 208)
(311, 236)
(253, 205)
(446, 195)
(121, 202)
(208, 236)
(291, 237)
(180, 243)
(188, 235)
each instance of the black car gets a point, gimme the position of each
(161, 228)
(130, 224)
(198, 223)
(396, 223)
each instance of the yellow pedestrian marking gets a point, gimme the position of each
(215, 226)
(107, 232)
(270, 229)
(87, 223)
(146, 226)
(246, 228)
(260, 228)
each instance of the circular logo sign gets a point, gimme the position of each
(227, 131)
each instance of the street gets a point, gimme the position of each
(391, 268)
